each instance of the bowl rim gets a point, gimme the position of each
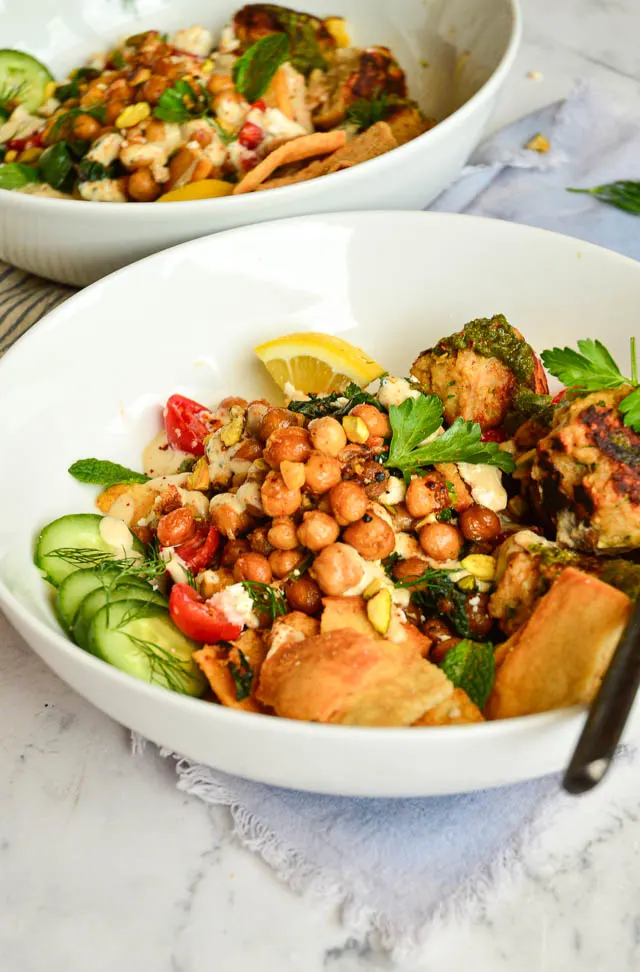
(439, 131)
(519, 727)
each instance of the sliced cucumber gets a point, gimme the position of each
(97, 599)
(141, 639)
(27, 77)
(77, 540)
(77, 585)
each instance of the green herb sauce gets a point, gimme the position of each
(493, 337)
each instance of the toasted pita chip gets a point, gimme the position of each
(407, 123)
(458, 710)
(214, 662)
(304, 147)
(560, 655)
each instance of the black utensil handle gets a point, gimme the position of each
(609, 712)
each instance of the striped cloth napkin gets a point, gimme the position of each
(24, 299)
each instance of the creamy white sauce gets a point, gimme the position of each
(249, 494)
(102, 190)
(158, 459)
(485, 483)
(116, 534)
(395, 391)
(231, 500)
(236, 604)
(372, 570)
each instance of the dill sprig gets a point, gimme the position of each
(267, 599)
(162, 663)
(242, 675)
(8, 94)
(624, 194)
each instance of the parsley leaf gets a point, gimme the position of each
(242, 675)
(630, 408)
(101, 472)
(437, 595)
(471, 666)
(253, 72)
(417, 418)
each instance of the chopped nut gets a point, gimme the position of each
(232, 433)
(142, 75)
(133, 115)
(379, 611)
(199, 475)
(372, 589)
(355, 428)
(539, 143)
(467, 583)
(481, 566)
(293, 474)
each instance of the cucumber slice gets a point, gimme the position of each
(80, 535)
(142, 640)
(79, 584)
(27, 77)
(97, 599)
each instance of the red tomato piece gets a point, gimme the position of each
(20, 144)
(197, 619)
(494, 435)
(558, 398)
(185, 425)
(260, 105)
(198, 552)
(250, 135)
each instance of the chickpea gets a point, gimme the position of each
(290, 443)
(437, 630)
(304, 595)
(317, 530)
(179, 165)
(203, 170)
(256, 411)
(168, 68)
(142, 186)
(327, 436)
(113, 109)
(409, 569)
(86, 128)
(441, 649)
(234, 549)
(376, 421)
(176, 527)
(440, 541)
(277, 499)
(476, 608)
(259, 541)
(229, 522)
(479, 523)
(283, 534)
(154, 88)
(282, 562)
(277, 418)
(371, 536)
(155, 130)
(252, 567)
(203, 136)
(227, 403)
(322, 472)
(403, 522)
(249, 450)
(119, 90)
(349, 502)
(337, 568)
(426, 494)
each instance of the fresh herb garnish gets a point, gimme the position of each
(470, 665)
(71, 88)
(117, 568)
(15, 175)
(118, 60)
(445, 515)
(10, 94)
(389, 563)
(267, 599)
(242, 675)
(225, 137)
(182, 102)
(592, 369)
(90, 171)
(302, 30)
(101, 472)
(63, 123)
(163, 664)
(435, 593)
(624, 194)
(365, 112)
(302, 567)
(56, 167)
(254, 70)
(333, 404)
(418, 418)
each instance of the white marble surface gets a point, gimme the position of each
(104, 865)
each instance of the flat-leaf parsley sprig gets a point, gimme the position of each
(592, 368)
(418, 418)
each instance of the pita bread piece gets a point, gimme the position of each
(458, 710)
(304, 147)
(214, 661)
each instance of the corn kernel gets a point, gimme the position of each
(292, 473)
(30, 155)
(50, 89)
(355, 428)
(467, 583)
(482, 566)
(11, 156)
(133, 115)
(207, 66)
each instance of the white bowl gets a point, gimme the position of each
(89, 380)
(77, 242)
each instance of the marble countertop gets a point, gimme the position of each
(104, 865)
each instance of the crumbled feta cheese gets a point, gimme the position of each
(20, 124)
(372, 570)
(395, 391)
(407, 546)
(485, 483)
(232, 112)
(103, 190)
(228, 40)
(105, 150)
(236, 604)
(47, 109)
(136, 154)
(98, 61)
(194, 40)
(275, 125)
(293, 394)
(394, 493)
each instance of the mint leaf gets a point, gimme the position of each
(630, 408)
(593, 369)
(15, 175)
(471, 666)
(101, 472)
(253, 72)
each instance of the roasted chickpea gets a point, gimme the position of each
(86, 128)
(476, 608)
(348, 501)
(441, 649)
(402, 519)
(230, 401)
(327, 435)
(252, 567)
(113, 109)
(304, 595)
(256, 411)
(155, 130)
(234, 549)
(376, 421)
(259, 541)
(437, 630)
(154, 88)
(176, 527)
(290, 443)
(337, 568)
(119, 90)
(321, 473)
(179, 164)
(479, 523)
(317, 530)
(141, 185)
(282, 562)
(277, 418)
(371, 536)
(277, 499)
(426, 494)
(249, 450)
(229, 522)
(440, 541)
(409, 569)
(283, 534)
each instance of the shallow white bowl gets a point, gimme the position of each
(89, 381)
(78, 242)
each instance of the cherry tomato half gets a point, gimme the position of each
(197, 619)
(184, 424)
(494, 435)
(198, 552)
(558, 398)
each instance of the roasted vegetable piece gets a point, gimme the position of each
(357, 78)
(311, 43)
(586, 475)
(479, 371)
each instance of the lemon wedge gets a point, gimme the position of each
(315, 362)
(204, 189)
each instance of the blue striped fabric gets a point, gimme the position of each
(24, 299)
